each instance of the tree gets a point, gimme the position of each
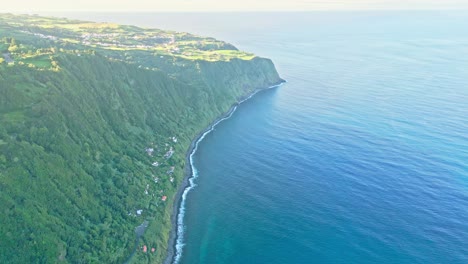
(12, 48)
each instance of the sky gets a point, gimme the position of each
(224, 5)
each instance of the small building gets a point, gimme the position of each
(171, 170)
(153, 249)
(169, 153)
(150, 151)
(164, 198)
(145, 248)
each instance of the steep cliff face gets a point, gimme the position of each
(93, 148)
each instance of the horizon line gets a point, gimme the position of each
(232, 11)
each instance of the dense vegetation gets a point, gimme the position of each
(93, 136)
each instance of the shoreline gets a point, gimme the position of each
(186, 184)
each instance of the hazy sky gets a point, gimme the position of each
(223, 5)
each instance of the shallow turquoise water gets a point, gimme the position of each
(362, 157)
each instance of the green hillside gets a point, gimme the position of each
(95, 121)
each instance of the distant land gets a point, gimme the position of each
(96, 122)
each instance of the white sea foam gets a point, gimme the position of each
(181, 214)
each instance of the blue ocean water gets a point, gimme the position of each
(362, 157)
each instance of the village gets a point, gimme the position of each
(153, 188)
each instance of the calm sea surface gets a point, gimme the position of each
(362, 157)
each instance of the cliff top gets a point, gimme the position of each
(35, 40)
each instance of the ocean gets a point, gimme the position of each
(362, 157)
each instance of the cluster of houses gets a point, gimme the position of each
(89, 36)
(160, 38)
(110, 40)
(150, 151)
(54, 38)
(145, 249)
(169, 153)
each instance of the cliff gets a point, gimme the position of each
(93, 140)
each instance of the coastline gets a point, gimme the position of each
(189, 173)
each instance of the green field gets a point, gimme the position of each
(42, 61)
